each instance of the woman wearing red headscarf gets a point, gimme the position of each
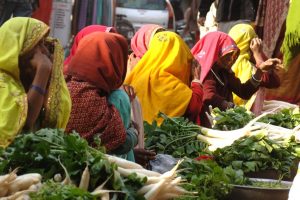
(80, 35)
(216, 52)
(97, 69)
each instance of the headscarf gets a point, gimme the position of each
(140, 43)
(98, 69)
(291, 43)
(97, 61)
(242, 34)
(81, 34)
(210, 48)
(18, 36)
(161, 79)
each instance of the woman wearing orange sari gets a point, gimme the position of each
(97, 69)
(81, 34)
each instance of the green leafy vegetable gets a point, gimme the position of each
(257, 153)
(286, 118)
(40, 152)
(176, 137)
(231, 119)
(56, 191)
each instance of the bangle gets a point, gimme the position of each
(38, 89)
(255, 79)
(196, 81)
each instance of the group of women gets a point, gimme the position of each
(101, 91)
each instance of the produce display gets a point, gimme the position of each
(54, 154)
(51, 165)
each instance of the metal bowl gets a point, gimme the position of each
(248, 192)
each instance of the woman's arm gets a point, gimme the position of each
(37, 91)
(130, 142)
(210, 95)
(194, 108)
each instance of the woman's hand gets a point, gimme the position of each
(270, 64)
(256, 45)
(41, 61)
(143, 156)
(196, 71)
(130, 92)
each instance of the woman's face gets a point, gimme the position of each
(227, 60)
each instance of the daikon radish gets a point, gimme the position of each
(123, 163)
(85, 179)
(24, 182)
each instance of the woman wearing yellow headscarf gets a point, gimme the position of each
(162, 78)
(33, 91)
(247, 41)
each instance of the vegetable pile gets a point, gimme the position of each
(257, 153)
(52, 153)
(176, 137)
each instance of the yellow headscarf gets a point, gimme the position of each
(161, 78)
(242, 34)
(17, 37)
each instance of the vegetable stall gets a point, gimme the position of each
(209, 164)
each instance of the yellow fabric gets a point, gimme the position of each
(242, 34)
(17, 37)
(161, 78)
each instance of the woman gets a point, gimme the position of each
(80, 35)
(97, 69)
(216, 52)
(32, 87)
(140, 43)
(162, 79)
(246, 40)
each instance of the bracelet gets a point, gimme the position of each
(196, 81)
(38, 89)
(255, 79)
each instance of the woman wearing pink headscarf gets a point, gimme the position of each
(140, 43)
(216, 52)
(80, 35)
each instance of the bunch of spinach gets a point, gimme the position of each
(175, 136)
(286, 118)
(207, 178)
(42, 151)
(231, 119)
(257, 153)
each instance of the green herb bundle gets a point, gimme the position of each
(207, 178)
(43, 151)
(286, 118)
(231, 119)
(175, 136)
(257, 153)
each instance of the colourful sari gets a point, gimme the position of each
(210, 48)
(161, 78)
(98, 68)
(140, 43)
(242, 34)
(80, 35)
(17, 37)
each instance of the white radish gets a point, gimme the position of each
(153, 192)
(127, 172)
(24, 182)
(123, 163)
(85, 179)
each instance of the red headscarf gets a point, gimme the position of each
(81, 34)
(141, 39)
(101, 59)
(210, 48)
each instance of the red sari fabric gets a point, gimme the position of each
(210, 48)
(81, 34)
(97, 68)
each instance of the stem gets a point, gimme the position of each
(182, 138)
